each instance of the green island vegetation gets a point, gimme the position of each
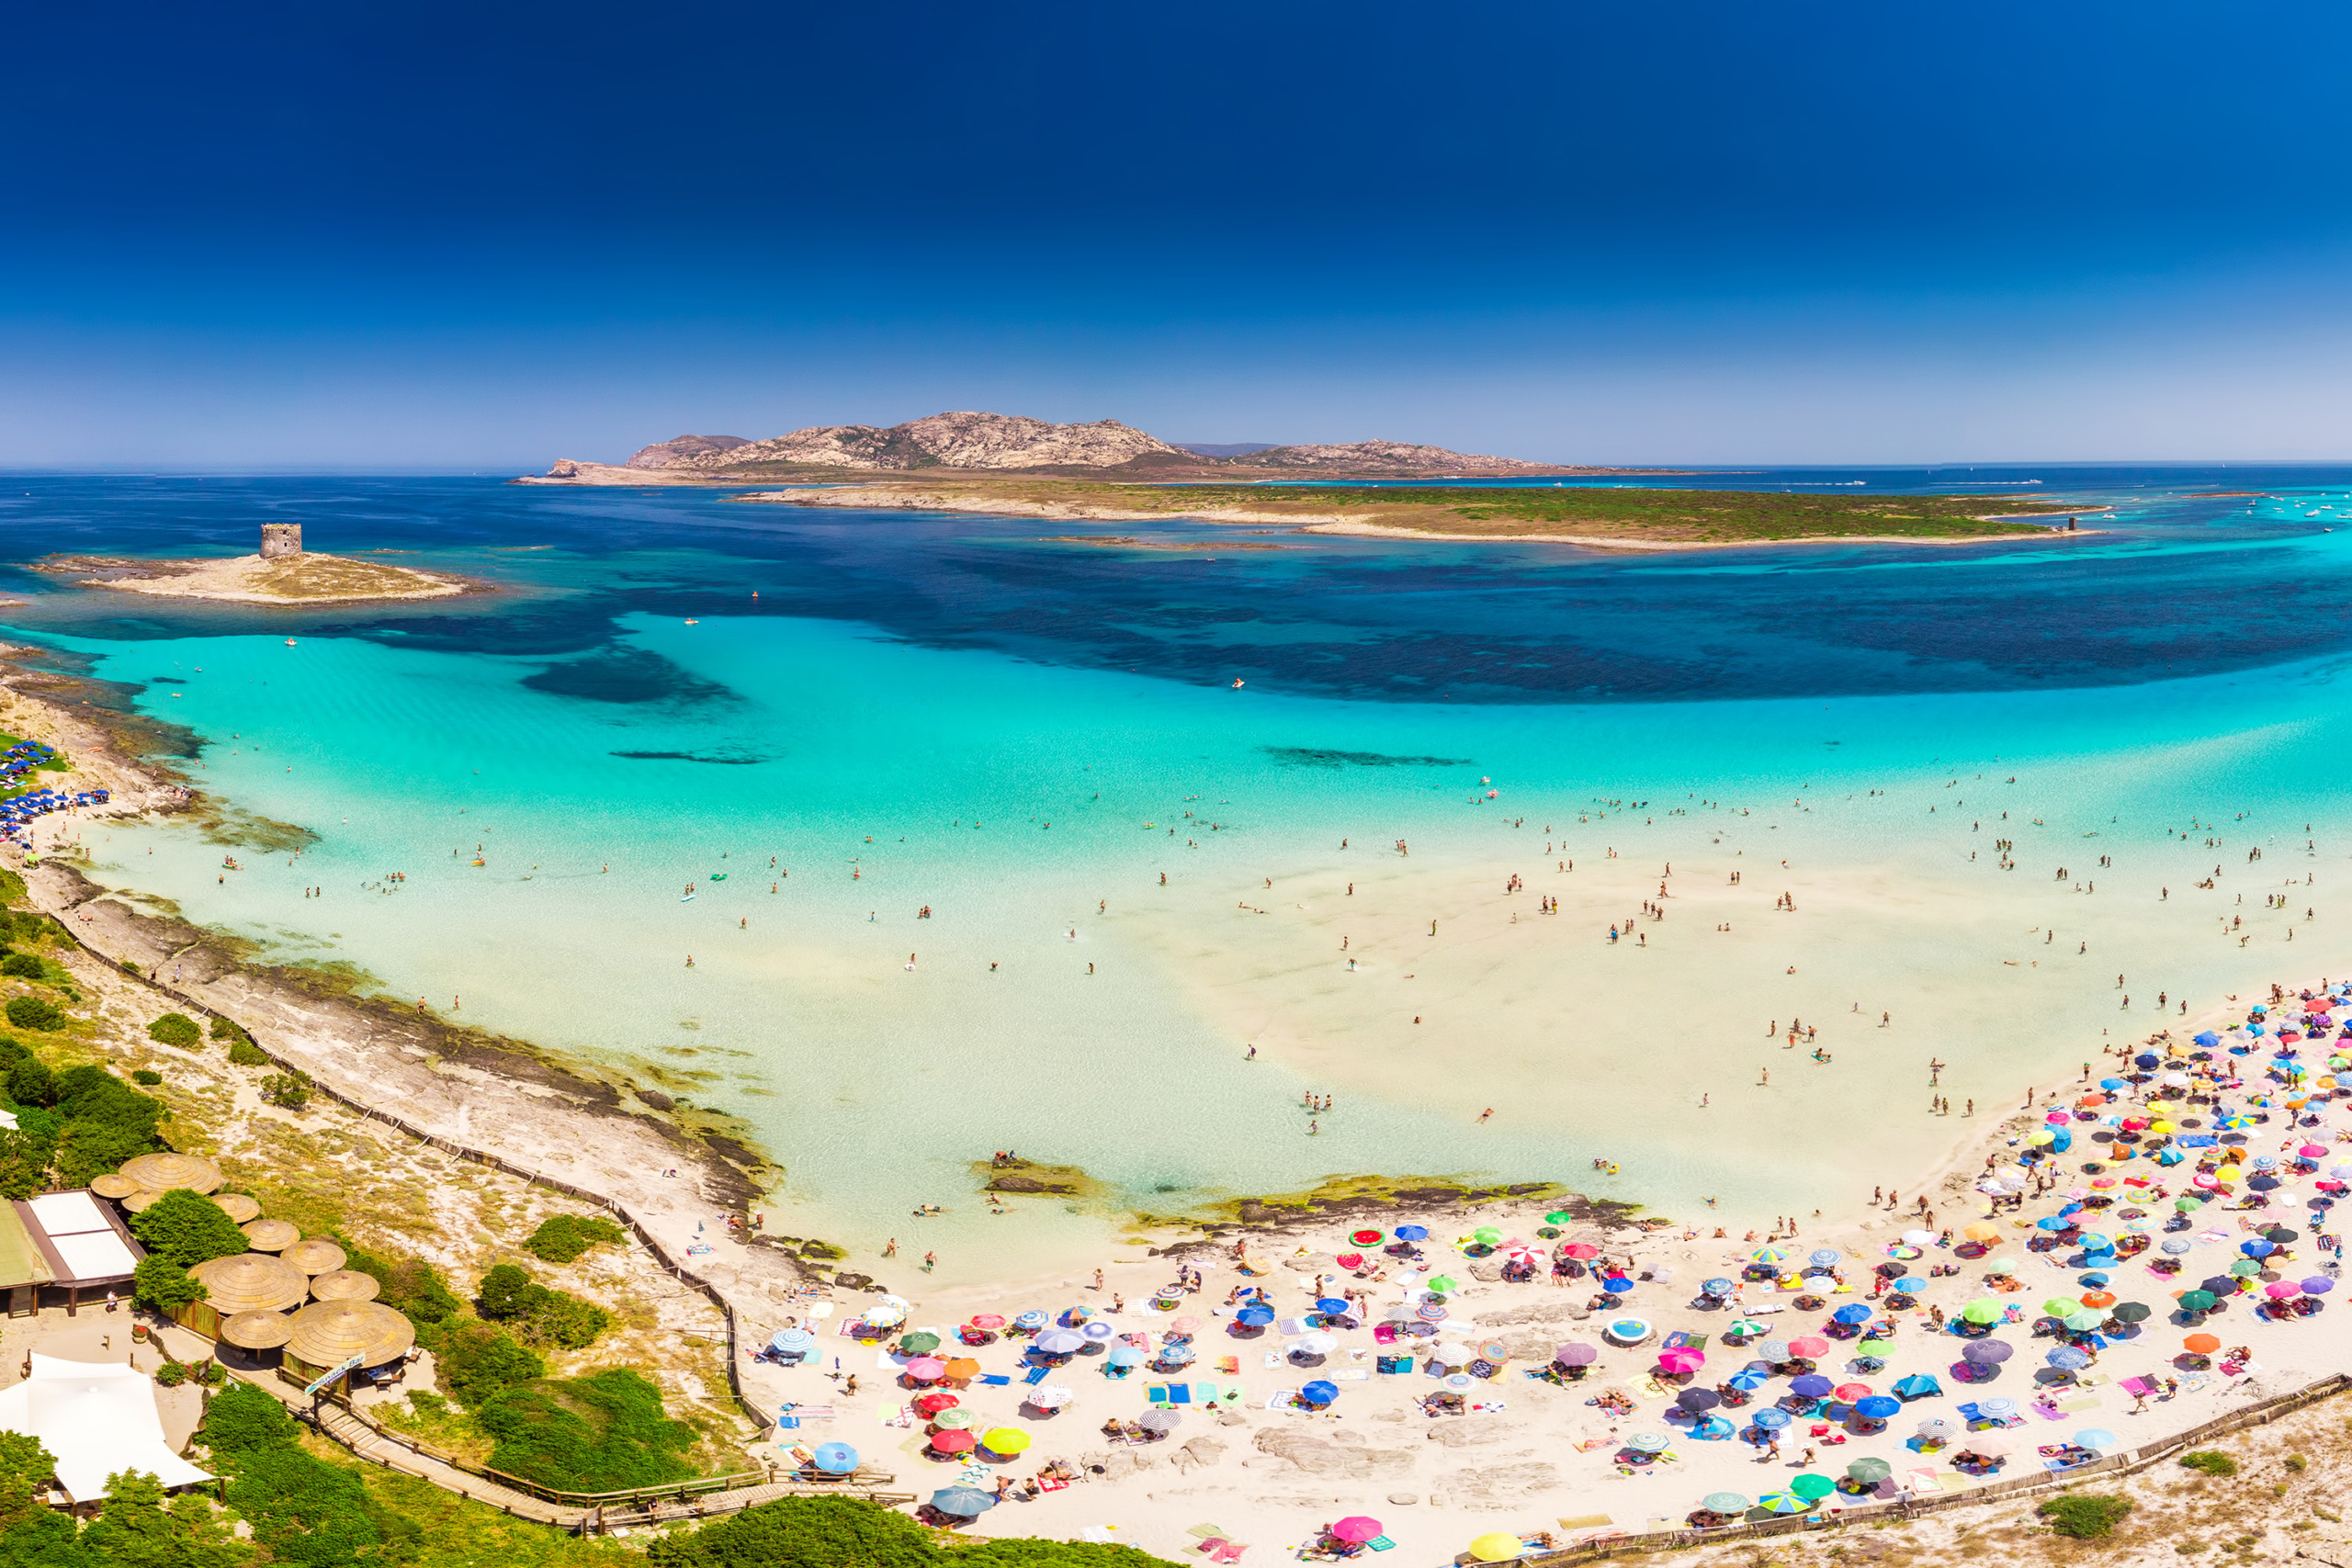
(843, 1532)
(1631, 513)
(2085, 1515)
(561, 1238)
(2210, 1461)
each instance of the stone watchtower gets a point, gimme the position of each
(280, 539)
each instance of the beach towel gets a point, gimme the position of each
(1647, 1387)
(992, 1379)
(1586, 1522)
(1294, 1325)
(1051, 1484)
(2136, 1386)
(1036, 1374)
(1204, 1531)
(1229, 1365)
(1919, 1483)
(1381, 1544)
(1383, 1333)
(1679, 1340)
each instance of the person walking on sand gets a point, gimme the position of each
(929, 1262)
(1098, 1278)
(892, 1249)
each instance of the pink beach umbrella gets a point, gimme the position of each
(1681, 1360)
(1809, 1347)
(1356, 1528)
(926, 1368)
(1580, 1251)
(1848, 1393)
(2282, 1290)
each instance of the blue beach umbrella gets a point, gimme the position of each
(1320, 1393)
(1617, 1284)
(2256, 1248)
(2066, 1358)
(1877, 1407)
(1412, 1233)
(836, 1458)
(1773, 1351)
(1918, 1385)
(1998, 1407)
(1725, 1503)
(1783, 1503)
(964, 1502)
(1910, 1285)
(1030, 1320)
(1851, 1314)
(1747, 1381)
(1650, 1442)
(2052, 1223)
(1714, 1430)
(1718, 1286)
(1812, 1385)
(1126, 1356)
(1771, 1418)
(2097, 1437)
(2110, 1084)
(792, 1341)
(1332, 1306)
(1257, 1314)
(1822, 1257)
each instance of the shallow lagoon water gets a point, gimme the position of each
(948, 687)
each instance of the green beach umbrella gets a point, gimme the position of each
(1869, 1472)
(1724, 1503)
(1746, 1327)
(1486, 1235)
(1442, 1283)
(1559, 1218)
(2196, 1300)
(1984, 1309)
(2189, 1205)
(953, 1420)
(2244, 1267)
(919, 1344)
(2062, 1306)
(1783, 1503)
(1881, 1348)
(2082, 1322)
(1812, 1488)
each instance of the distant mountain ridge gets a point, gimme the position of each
(974, 441)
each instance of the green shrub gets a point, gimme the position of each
(223, 1030)
(844, 1532)
(171, 1374)
(175, 1029)
(604, 1432)
(2297, 1462)
(30, 1082)
(163, 1285)
(302, 1510)
(409, 1286)
(562, 1238)
(245, 1054)
(2213, 1462)
(146, 1078)
(24, 966)
(103, 1122)
(540, 1315)
(475, 1362)
(2085, 1515)
(32, 1012)
(188, 1228)
(289, 1091)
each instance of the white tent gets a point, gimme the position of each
(99, 1419)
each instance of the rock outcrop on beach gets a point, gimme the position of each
(939, 441)
(678, 448)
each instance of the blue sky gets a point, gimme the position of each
(442, 237)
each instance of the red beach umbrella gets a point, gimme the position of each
(956, 1442)
(1809, 1347)
(932, 1403)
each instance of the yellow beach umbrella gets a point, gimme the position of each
(1497, 1546)
(1005, 1440)
(1983, 1230)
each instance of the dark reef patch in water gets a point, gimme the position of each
(626, 675)
(744, 760)
(1318, 757)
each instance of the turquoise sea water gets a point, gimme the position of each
(949, 712)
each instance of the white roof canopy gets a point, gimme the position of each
(99, 1418)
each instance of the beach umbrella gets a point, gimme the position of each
(1576, 1355)
(1126, 1356)
(2196, 1300)
(1681, 1360)
(2096, 1437)
(1453, 1352)
(1442, 1283)
(1582, 1251)
(2066, 1358)
(1853, 1313)
(1918, 1385)
(1412, 1233)
(1812, 1385)
(1999, 1407)
(2052, 1223)
(1061, 1342)
(919, 1344)
(1773, 1255)
(1175, 1355)
(1744, 1327)
(1869, 1472)
(1812, 1488)
(1102, 1329)
(1982, 1231)
(1877, 1407)
(884, 1316)
(2129, 1312)
(1747, 1381)
(1356, 1528)
(1992, 1445)
(953, 1440)
(1005, 1440)
(836, 1458)
(1320, 1393)
(1698, 1400)
(1725, 1503)
(2221, 1284)
(2245, 1268)
(1910, 1285)
(1847, 1392)
(1824, 1258)
(1783, 1503)
(1984, 1309)
(1810, 1347)
(1255, 1315)
(792, 1341)
(1771, 1418)
(933, 1402)
(1486, 1235)
(964, 1502)
(2083, 1322)
(1052, 1396)
(953, 1420)
(2258, 1248)
(988, 1322)
(1936, 1429)
(1031, 1319)
(1429, 1313)
(1718, 1286)
(1649, 1442)
(1329, 1306)
(1318, 1345)
(1713, 1429)
(1987, 1352)
(2318, 1285)
(2280, 1235)
(1159, 1420)
(1497, 1546)
(2175, 1245)
(1774, 1350)
(2098, 1298)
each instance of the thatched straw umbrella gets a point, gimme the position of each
(316, 1255)
(272, 1235)
(114, 1184)
(251, 1282)
(237, 1206)
(345, 1285)
(163, 1172)
(257, 1330)
(138, 1201)
(326, 1334)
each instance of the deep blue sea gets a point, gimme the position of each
(859, 716)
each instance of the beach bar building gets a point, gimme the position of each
(63, 1242)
